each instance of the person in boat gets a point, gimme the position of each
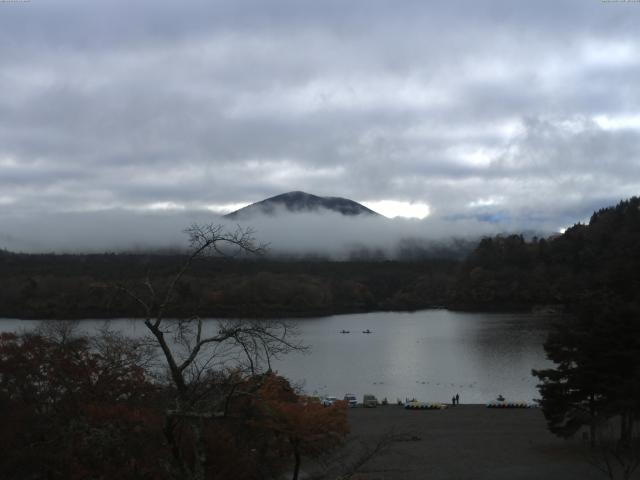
(500, 398)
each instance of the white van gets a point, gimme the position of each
(351, 399)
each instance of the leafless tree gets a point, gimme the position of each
(206, 360)
(121, 352)
(58, 331)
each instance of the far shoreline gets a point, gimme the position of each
(302, 315)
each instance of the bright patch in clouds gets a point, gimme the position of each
(164, 206)
(393, 208)
(617, 53)
(223, 209)
(610, 122)
(487, 202)
(8, 162)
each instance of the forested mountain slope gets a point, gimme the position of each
(602, 256)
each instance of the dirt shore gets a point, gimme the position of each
(467, 442)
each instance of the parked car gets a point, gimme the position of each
(369, 401)
(328, 401)
(351, 400)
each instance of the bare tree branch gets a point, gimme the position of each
(190, 355)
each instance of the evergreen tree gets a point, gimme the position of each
(597, 372)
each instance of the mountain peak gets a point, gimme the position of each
(298, 201)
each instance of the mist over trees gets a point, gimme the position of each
(508, 272)
(323, 234)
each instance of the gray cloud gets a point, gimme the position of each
(479, 109)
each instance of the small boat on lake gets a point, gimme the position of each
(345, 331)
(366, 331)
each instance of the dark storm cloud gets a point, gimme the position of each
(491, 109)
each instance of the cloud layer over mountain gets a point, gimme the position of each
(517, 112)
(327, 234)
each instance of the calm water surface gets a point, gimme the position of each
(430, 355)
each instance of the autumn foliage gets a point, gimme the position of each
(293, 425)
(267, 429)
(72, 409)
(305, 425)
(69, 412)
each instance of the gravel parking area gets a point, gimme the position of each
(467, 442)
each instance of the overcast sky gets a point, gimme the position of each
(522, 111)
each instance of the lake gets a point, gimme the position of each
(430, 354)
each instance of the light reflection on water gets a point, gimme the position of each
(430, 355)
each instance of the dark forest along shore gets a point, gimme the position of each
(430, 355)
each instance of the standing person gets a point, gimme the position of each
(457, 399)
(453, 401)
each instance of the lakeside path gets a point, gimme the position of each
(468, 442)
